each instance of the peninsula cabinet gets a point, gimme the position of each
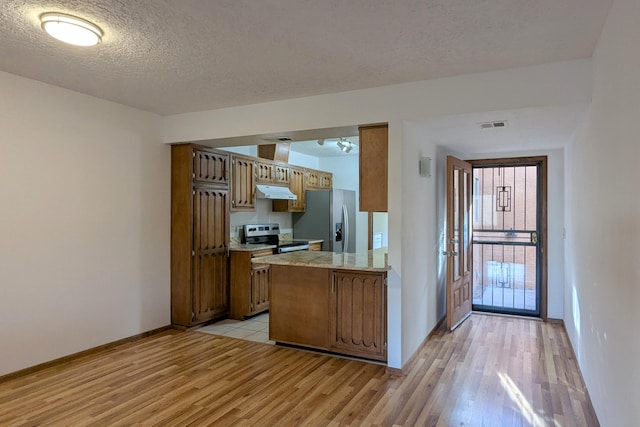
(374, 159)
(243, 183)
(342, 311)
(199, 234)
(358, 321)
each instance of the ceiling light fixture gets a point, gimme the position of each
(71, 29)
(345, 145)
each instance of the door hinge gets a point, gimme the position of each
(385, 345)
(193, 253)
(386, 282)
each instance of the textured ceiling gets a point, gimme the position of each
(176, 56)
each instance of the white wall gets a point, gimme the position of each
(563, 83)
(603, 225)
(84, 223)
(422, 306)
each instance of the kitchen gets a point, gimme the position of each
(240, 309)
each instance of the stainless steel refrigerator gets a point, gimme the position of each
(330, 215)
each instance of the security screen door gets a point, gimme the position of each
(507, 219)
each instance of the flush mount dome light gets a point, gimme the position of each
(71, 29)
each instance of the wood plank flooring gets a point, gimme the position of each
(492, 371)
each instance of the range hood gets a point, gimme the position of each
(274, 192)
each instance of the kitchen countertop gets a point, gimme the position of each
(374, 260)
(258, 247)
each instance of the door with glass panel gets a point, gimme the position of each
(509, 230)
(458, 245)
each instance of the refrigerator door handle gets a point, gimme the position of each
(345, 232)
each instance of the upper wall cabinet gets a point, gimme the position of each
(296, 185)
(273, 173)
(318, 180)
(243, 183)
(210, 167)
(374, 153)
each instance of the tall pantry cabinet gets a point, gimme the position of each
(199, 234)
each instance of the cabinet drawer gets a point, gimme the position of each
(261, 253)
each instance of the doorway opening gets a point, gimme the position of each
(509, 223)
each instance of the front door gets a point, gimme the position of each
(458, 244)
(509, 223)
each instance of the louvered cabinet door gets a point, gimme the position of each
(210, 253)
(358, 314)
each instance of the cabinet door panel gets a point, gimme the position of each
(296, 184)
(281, 174)
(243, 184)
(359, 325)
(265, 172)
(260, 279)
(210, 167)
(374, 156)
(210, 241)
(297, 187)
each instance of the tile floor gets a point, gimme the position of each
(253, 329)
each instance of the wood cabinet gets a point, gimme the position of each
(342, 311)
(374, 153)
(315, 246)
(210, 167)
(281, 174)
(299, 312)
(264, 172)
(210, 258)
(199, 234)
(358, 320)
(318, 180)
(272, 173)
(296, 185)
(250, 284)
(243, 183)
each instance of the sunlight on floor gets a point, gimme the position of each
(522, 403)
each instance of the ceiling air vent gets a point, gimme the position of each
(278, 139)
(493, 125)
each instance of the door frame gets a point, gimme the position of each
(541, 162)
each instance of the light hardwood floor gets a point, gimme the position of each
(491, 371)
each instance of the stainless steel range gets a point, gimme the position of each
(267, 234)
